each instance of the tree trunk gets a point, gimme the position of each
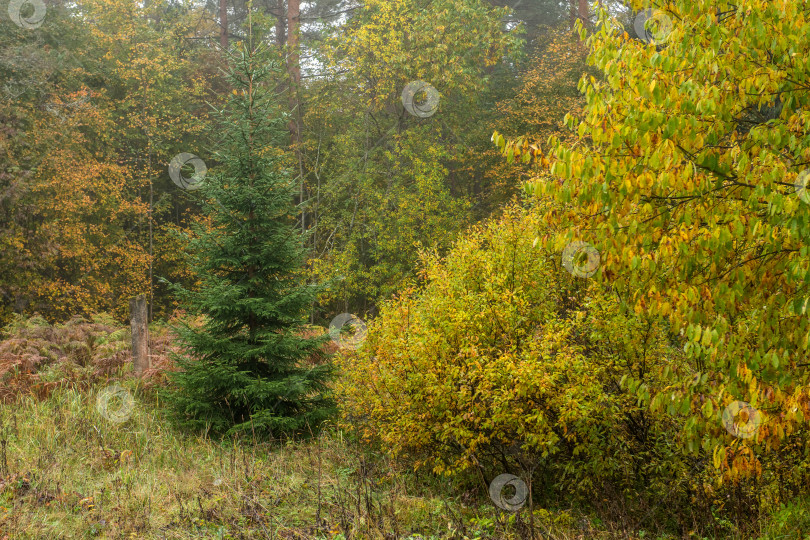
(579, 10)
(223, 23)
(294, 70)
(280, 34)
(572, 18)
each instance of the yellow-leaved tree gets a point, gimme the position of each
(689, 176)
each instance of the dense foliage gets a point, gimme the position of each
(505, 359)
(91, 116)
(689, 170)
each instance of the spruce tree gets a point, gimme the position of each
(242, 369)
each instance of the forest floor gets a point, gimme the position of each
(71, 468)
(67, 472)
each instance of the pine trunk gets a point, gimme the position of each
(223, 23)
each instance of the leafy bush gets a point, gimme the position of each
(504, 358)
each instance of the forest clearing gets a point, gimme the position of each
(404, 269)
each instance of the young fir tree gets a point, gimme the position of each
(243, 368)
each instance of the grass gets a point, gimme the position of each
(71, 468)
(69, 472)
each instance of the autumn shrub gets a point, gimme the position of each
(503, 361)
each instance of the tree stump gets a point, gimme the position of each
(138, 316)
